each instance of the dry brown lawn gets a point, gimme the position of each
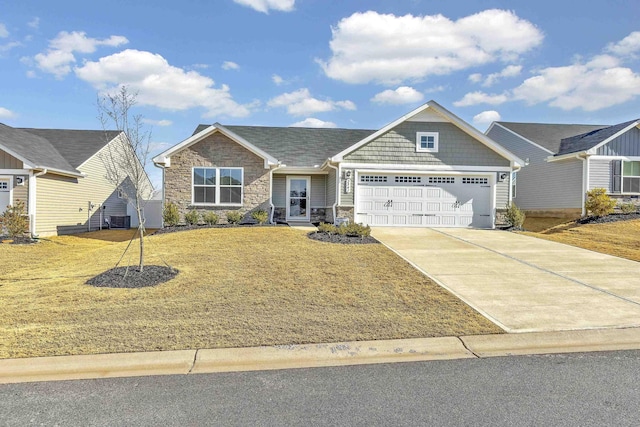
(236, 287)
(620, 238)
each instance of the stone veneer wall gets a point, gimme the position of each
(217, 151)
(345, 212)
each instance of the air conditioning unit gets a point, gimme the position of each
(502, 176)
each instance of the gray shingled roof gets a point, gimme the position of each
(33, 148)
(75, 146)
(302, 147)
(589, 140)
(549, 135)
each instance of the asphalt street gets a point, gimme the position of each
(580, 389)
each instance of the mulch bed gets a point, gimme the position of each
(18, 240)
(119, 277)
(337, 238)
(608, 218)
(177, 228)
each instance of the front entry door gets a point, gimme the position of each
(298, 198)
(5, 193)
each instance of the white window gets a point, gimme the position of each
(470, 180)
(217, 186)
(4, 185)
(631, 177)
(408, 179)
(373, 178)
(442, 180)
(427, 142)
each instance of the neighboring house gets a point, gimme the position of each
(60, 176)
(428, 168)
(565, 161)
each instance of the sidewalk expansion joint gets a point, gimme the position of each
(562, 276)
(464, 344)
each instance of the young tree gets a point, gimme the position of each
(125, 162)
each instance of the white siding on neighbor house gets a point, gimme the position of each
(600, 174)
(113, 206)
(542, 185)
(7, 161)
(62, 203)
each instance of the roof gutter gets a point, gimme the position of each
(273, 208)
(335, 203)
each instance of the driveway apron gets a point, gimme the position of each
(522, 283)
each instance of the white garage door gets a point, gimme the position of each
(424, 200)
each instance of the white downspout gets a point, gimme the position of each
(585, 181)
(32, 199)
(273, 208)
(335, 203)
(162, 204)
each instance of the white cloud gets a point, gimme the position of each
(264, 5)
(4, 33)
(158, 147)
(475, 78)
(627, 46)
(6, 114)
(278, 80)
(229, 65)
(475, 98)
(160, 84)
(508, 71)
(313, 123)
(384, 48)
(486, 117)
(157, 122)
(34, 23)
(60, 54)
(402, 95)
(301, 103)
(8, 46)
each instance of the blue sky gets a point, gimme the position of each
(349, 63)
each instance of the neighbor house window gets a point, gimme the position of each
(217, 186)
(427, 142)
(631, 177)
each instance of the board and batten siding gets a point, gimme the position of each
(627, 144)
(318, 190)
(7, 161)
(542, 185)
(62, 203)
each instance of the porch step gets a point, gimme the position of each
(300, 224)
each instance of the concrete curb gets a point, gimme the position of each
(313, 355)
(553, 342)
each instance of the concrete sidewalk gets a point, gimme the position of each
(521, 283)
(183, 362)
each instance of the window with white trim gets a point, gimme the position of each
(471, 180)
(631, 177)
(373, 178)
(427, 142)
(217, 186)
(442, 180)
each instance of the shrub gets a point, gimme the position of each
(210, 218)
(234, 217)
(514, 216)
(327, 228)
(354, 230)
(599, 203)
(260, 215)
(192, 217)
(171, 215)
(15, 221)
(628, 208)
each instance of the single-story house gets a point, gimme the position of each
(60, 176)
(428, 168)
(565, 161)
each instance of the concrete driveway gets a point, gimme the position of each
(521, 283)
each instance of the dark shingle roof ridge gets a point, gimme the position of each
(75, 145)
(501, 122)
(588, 140)
(297, 127)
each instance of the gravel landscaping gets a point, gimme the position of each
(608, 218)
(131, 277)
(337, 238)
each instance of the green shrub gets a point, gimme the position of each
(15, 221)
(192, 217)
(327, 228)
(354, 230)
(599, 203)
(627, 208)
(514, 216)
(210, 218)
(171, 215)
(234, 217)
(260, 215)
